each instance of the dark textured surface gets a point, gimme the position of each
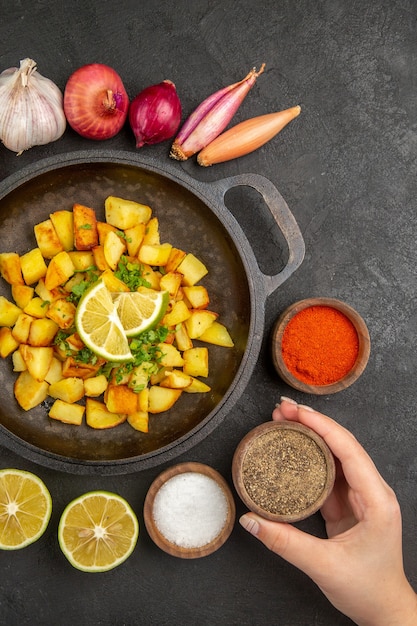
(347, 168)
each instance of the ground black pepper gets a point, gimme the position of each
(284, 471)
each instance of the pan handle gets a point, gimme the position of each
(283, 218)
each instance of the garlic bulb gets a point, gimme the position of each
(31, 108)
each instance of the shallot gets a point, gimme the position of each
(155, 114)
(211, 117)
(31, 108)
(246, 137)
(95, 101)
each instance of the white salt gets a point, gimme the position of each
(190, 510)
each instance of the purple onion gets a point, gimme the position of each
(155, 114)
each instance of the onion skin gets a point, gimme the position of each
(95, 101)
(211, 117)
(246, 137)
(155, 114)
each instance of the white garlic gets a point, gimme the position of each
(31, 108)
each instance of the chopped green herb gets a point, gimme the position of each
(85, 226)
(131, 273)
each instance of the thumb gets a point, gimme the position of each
(295, 546)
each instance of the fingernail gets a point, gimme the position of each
(290, 400)
(249, 524)
(306, 408)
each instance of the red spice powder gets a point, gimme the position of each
(320, 345)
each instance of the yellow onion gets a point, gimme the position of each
(246, 137)
(31, 108)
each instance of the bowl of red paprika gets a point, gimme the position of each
(320, 345)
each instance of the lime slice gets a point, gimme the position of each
(99, 326)
(25, 508)
(140, 310)
(98, 531)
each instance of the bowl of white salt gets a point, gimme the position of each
(189, 510)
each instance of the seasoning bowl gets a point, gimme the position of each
(189, 510)
(283, 471)
(335, 363)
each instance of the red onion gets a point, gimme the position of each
(155, 114)
(95, 101)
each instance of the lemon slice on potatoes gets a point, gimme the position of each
(98, 531)
(25, 508)
(99, 325)
(140, 310)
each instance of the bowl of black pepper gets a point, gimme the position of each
(283, 471)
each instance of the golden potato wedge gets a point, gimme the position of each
(162, 398)
(113, 283)
(139, 421)
(28, 391)
(67, 413)
(21, 329)
(33, 266)
(55, 371)
(182, 338)
(196, 362)
(99, 258)
(99, 417)
(60, 269)
(63, 222)
(175, 257)
(125, 214)
(85, 227)
(197, 386)
(169, 356)
(62, 313)
(81, 259)
(176, 379)
(47, 239)
(192, 269)
(42, 332)
(8, 343)
(171, 282)
(154, 254)
(71, 367)
(103, 228)
(140, 376)
(22, 295)
(153, 277)
(217, 334)
(152, 237)
(178, 314)
(18, 363)
(134, 238)
(95, 386)
(67, 389)
(10, 268)
(38, 360)
(197, 296)
(199, 321)
(113, 248)
(9, 312)
(121, 399)
(36, 307)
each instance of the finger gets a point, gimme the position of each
(306, 552)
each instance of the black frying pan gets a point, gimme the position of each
(192, 216)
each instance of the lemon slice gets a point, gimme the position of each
(140, 310)
(99, 326)
(25, 508)
(98, 531)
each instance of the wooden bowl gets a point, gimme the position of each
(338, 385)
(185, 547)
(283, 471)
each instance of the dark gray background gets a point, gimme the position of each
(347, 168)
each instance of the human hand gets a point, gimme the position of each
(359, 567)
